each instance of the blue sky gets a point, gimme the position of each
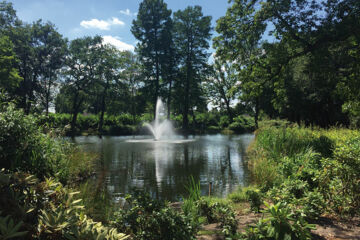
(108, 18)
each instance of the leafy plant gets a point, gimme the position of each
(8, 229)
(254, 198)
(282, 223)
(150, 219)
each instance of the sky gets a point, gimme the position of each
(111, 19)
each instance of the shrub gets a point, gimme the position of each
(23, 146)
(224, 121)
(149, 219)
(254, 198)
(47, 210)
(282, 223)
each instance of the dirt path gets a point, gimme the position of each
(327, 228)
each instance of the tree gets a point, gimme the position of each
(153, 30)
(132, 77)
(107, 73)
(220, 86)
(81, 67)
(51, 52)
(9, 76)
(300, 62)
(192, 32)
(8, 16)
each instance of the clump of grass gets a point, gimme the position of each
(194, 194)
(240, 195)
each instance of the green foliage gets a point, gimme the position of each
(224, 121)
(342, 175)
(8, 229)
(255, 199)
(150, 219)
(216, 211)
(282, 223)
(317, 170)
(9, 76)
(24, 147)
(242, 124)
(45, 210)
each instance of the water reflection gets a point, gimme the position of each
(163, 168)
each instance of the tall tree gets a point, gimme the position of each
(191, 36)
(220, 86)
(132, 77)
(81, 66)
(107, 72)
(152, 28)
(51, 50)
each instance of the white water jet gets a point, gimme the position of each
(161, 127)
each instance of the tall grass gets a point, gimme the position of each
(296, 161)
(194, 194)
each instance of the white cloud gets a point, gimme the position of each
(127, 12)
(115, 41)
(101, 24)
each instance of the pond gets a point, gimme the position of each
(164, 168)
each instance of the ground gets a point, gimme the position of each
(327, 227)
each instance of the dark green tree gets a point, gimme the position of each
(221, 86)
(51, 51)
(80, 73)
(191, 38)
(152, 28)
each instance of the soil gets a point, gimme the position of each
(327, 227)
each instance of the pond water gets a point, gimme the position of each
(164, 168)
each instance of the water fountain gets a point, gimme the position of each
(161, 127)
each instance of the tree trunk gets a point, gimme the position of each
(228, 109)
(103, 108)
(169, 100)
(256, 117)
(75, 113)
(186, 101)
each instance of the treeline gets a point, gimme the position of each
(295, 59)
(307, 71)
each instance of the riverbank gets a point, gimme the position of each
(306, 184)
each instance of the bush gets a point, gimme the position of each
(47, 210)
(254, 198)
(151, 220)
(315, 170)
(23, 146)
(282, 223)
(242, 124)
(224, 121)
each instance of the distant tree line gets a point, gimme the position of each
(307, 72)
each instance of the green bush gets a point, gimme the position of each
(46, 210)
(242, 124)
(254, 198)
(151, 220)
(282, 223)
(316, 170)
(24, 147)
(224, 121)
